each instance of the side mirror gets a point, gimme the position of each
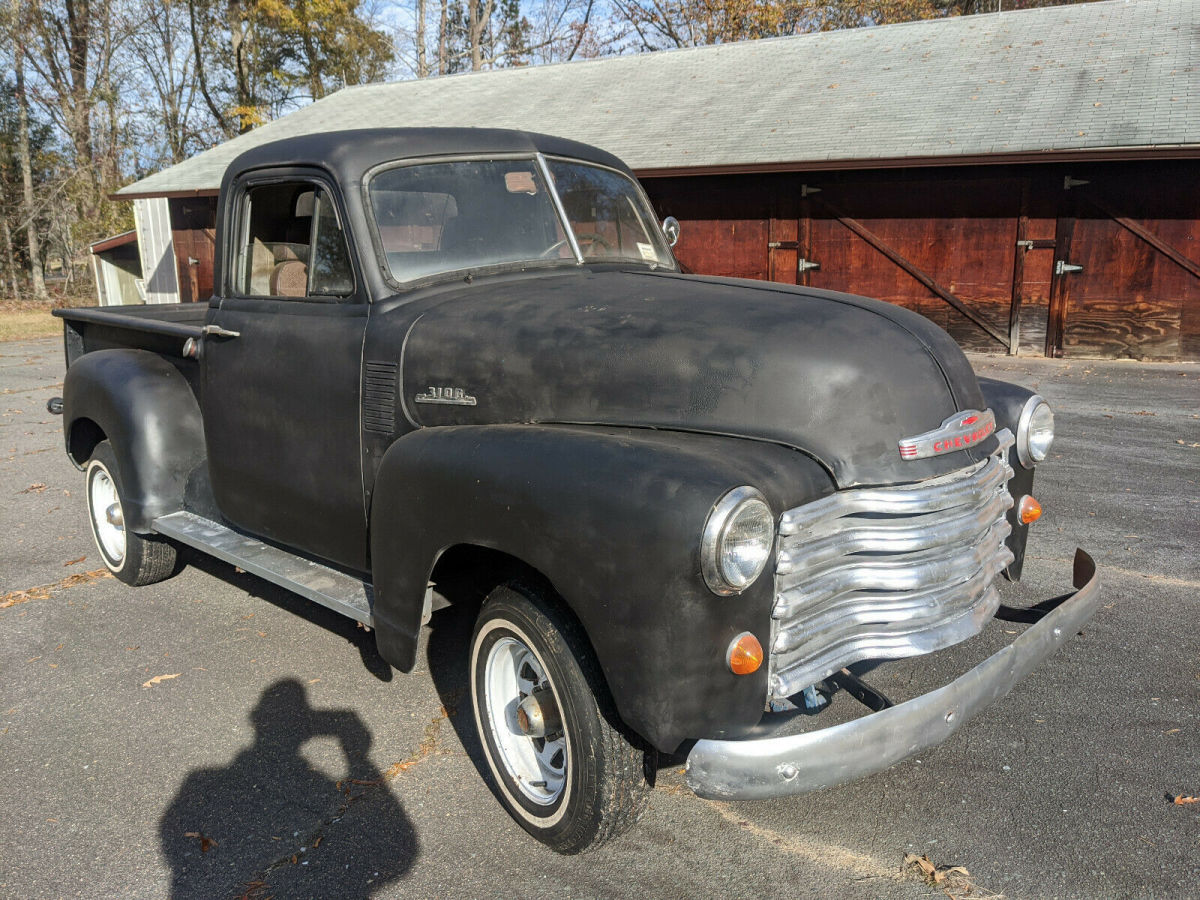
(670, 227)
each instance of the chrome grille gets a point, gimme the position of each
(882, 573)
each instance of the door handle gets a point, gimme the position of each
(218, 331)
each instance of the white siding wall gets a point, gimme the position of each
(153, 219)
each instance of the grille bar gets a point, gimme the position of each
(888, 572)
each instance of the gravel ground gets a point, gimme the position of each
(213, 736)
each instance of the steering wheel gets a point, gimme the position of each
(588, 237)
(592, 240)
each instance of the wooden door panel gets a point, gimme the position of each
(193, 235)
(735, 248)
(961, 234)
(1130, 300)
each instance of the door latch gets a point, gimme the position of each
(218, 331)
(1062, 267)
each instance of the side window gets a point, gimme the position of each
(292, 244)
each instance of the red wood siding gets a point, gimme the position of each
(974, 249)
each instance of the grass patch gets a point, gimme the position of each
(23, 320)
(24, 324)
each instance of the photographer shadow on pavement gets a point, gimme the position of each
(271, 823)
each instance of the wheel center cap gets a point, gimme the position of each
(537, 714)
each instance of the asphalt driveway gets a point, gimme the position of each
(213, 736)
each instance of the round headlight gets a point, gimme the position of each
(1035, 432)
(737, 541)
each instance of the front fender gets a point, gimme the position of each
(150, 416)
(1007, 400)
(612, 518)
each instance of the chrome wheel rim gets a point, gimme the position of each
(538, 765)
(104, 497)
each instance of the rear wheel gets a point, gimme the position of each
(133, 558)
(564, 772)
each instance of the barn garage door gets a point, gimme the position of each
(1127, 281)
(946, 250)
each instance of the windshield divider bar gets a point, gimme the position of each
(560, 209)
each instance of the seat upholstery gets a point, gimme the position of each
(289, 279)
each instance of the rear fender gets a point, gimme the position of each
(147, 411)
(612, 518)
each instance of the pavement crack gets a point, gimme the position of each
(429, 745)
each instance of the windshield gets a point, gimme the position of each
(449, 216)
(607, 214)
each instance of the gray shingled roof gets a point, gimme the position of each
(1116, 74)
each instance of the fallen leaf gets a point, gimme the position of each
(206, 843)
(36, 488)
(158, 679)
(953, 881)
(317, 842)
(72, 562)
(1183, 801)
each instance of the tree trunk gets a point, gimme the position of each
(241, 39)
(35, 258)
(422, 63)
(477, 22)
(201, 77)
(10, 259)
(443, 38)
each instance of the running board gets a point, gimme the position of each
(340, 592)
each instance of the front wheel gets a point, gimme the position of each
(564, 772)
(133, 558)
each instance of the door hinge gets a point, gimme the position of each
(806, 189)
(803, 265)
(1069, 182)
(1062, 267)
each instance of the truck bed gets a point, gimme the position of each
(159, 327)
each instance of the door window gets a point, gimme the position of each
(292, 244)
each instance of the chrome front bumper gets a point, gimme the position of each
(759, 768)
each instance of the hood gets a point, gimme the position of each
(840, 378)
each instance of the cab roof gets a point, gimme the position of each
(349, 154)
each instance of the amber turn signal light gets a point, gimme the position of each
(745, 654)
(1029, 510)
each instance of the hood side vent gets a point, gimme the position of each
(379, 397)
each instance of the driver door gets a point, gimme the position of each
(281, 388)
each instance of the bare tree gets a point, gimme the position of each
(35, 262)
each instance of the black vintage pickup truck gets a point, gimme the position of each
(703, 506)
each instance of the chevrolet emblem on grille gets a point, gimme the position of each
(958, 432)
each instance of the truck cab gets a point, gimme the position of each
(700, 506)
